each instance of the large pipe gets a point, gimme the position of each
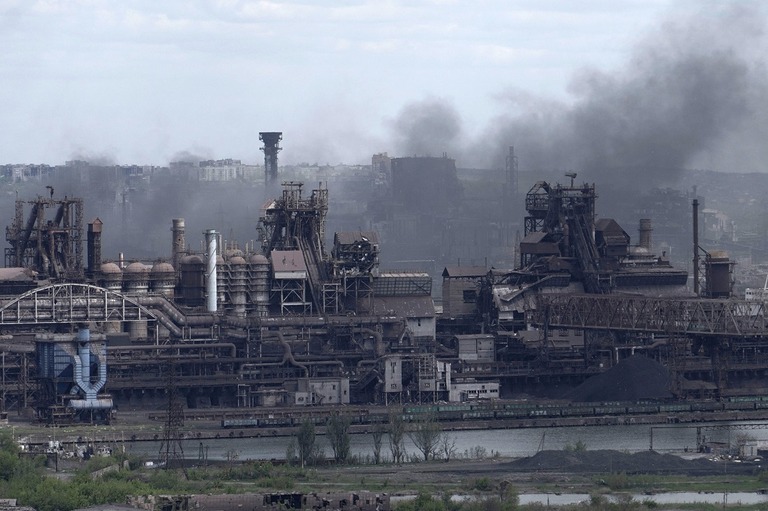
(91, 404)
(696, 247)
(186, 346)
(82, 369)
(288, 354)
(210, 272)
(379, 348)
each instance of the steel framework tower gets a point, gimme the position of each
(50, 241)
(271, 147)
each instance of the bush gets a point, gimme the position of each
(423, 502)
(579, 446)
(618, 481)
(482, 484)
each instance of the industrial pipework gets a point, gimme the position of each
(210, 272)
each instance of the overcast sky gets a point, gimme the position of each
(148, 81)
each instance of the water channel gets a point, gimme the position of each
(513, 443)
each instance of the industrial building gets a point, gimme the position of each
(294, 322)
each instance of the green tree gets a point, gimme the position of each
(338, 436)
(305, 438)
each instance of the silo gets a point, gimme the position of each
(238, 284)
(258, 285)
(136, 282)
(111, 278)
(162, 279)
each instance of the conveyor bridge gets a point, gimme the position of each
(672, 316)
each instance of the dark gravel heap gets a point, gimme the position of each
(606, 461)
(632, 379)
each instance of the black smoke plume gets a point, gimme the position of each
(692, 93)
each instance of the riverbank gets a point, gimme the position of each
(147, 426)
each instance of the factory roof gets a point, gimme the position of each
(406, 306)
(402, 284)
(288, 264)
(465, 271)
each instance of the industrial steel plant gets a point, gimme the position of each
(307, 318)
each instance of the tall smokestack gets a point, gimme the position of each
(178, 243)
(645, 233)
(696, 247)
(210, 272)
(94, 246)
(271, 147)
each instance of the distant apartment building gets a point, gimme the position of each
(16, 173)
(218, 171)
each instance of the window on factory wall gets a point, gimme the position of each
(470, 296)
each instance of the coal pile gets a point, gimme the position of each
(633, 379)
(608, 461)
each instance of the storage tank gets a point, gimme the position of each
(111, 279)
(136, 282)
(238, 284)
(258, 284)
(162, 279)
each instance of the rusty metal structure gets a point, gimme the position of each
(296, 323)
(50, 240)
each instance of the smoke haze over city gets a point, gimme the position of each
(596, 87)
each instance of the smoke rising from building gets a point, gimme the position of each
(689, 88)
(691, 94)
(426, 128)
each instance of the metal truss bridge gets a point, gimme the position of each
(672, 316)
(71, 303)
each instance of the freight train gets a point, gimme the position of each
(500, 410)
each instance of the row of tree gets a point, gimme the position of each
(426, 434)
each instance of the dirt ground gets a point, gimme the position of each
(564, 470)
